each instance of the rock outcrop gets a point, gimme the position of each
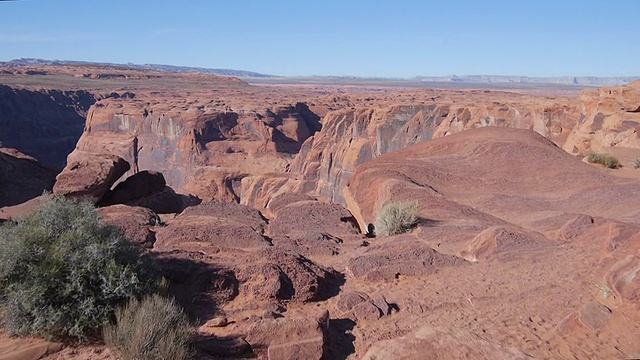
(214, 227)
(199, 145)
(301, 224)
(90, 176)
(138, 224)
(610, 119)
(279, 275)
(402, 257)
(436, 174)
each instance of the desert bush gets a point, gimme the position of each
(153, 328)
(607, 160)
(63, 272)
(396, 217)
(636, 163)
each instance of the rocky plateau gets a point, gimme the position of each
(257, 200)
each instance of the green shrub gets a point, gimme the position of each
(63, 272)
(154, 328)
(607, 160)
(396, 217)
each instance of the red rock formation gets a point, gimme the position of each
(90, 176)
(214, 227)
(304, 225)
(518, 243)
(135, 222)
(197, 144)
(611, 118)
(351, 137)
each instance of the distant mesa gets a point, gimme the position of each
(154, 67)
(457, 79)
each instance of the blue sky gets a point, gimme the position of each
(400, 38)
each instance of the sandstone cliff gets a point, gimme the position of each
(353, 136)
(220, 138)
(610, 119)
(599, 120)
(201, 145)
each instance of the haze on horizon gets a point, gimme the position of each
(402, 38)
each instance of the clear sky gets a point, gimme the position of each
(400, 38)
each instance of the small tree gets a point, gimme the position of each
(396, 217)
(154, 328)
(63, 272)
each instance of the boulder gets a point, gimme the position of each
(498, 240)
(90, 176)
(276, 274)
(361, 307)
(594, 316)
(135, 222)
(240, 213)
(311, 216)
(282, 200)
(297, 338)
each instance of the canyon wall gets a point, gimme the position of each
(601, 120)
(220, 138)
(45, 124)
(200, 146)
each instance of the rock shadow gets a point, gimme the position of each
(331, 286)
(427, 222)
(44, 124)
(311, 119)
(226, 347)
(340, 340)
(198, 286)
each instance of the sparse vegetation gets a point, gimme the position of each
(636, 164)
(63, 272)
(396, 217)
(154, 328)
(605, 291)
(607, 160)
